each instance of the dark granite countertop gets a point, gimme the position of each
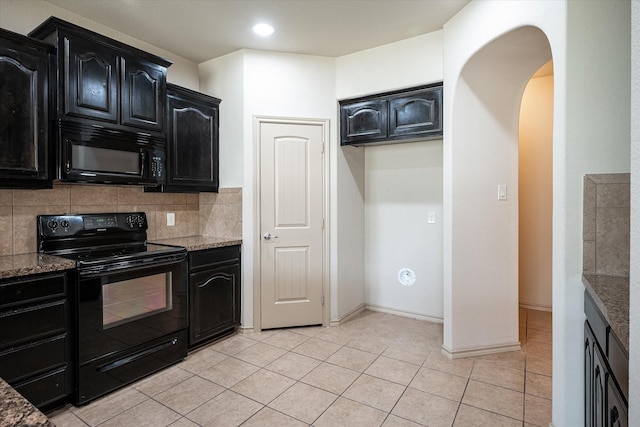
(34, 263)
(196, 243)
(611, 295)
(15, 410)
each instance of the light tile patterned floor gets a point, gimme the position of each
(377, 369)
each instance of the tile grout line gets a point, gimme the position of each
(321, 361)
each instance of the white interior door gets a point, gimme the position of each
(291, 224)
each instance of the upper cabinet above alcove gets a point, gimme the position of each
(392, 117)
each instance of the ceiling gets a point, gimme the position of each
(200, 30)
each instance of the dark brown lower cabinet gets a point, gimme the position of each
(616, 406)
(605, 401)
(588, 375)
(35, 341)
(214, 293)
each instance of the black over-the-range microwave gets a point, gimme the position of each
(95, 154)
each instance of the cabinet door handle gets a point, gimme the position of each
(217, 276)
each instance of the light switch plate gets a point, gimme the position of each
(502, 192)
(171, 219)
(431, 217)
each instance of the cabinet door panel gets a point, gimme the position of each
(194, 145)
(23, 116)
(143, 94)
(46, 388)
(616, 406)
(599, 387)
(416, 114)
(29, 323)
(588, 375)
(33, 358)
(31, 289)
(365, 120)
(214, 298)
(91, 81)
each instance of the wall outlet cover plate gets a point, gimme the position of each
(406, 277)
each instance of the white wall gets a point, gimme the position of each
(634, 303)
(403, 183)
(347, 234)
(369, 215)
(589, 41)
(23, 16)
(598, 49)
(406, 63)
(257, 83)
(224, 78)
(484, 153)
(535, 188)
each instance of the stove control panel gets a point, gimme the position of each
(137, 221)
(83, 224)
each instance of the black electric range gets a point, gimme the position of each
(130, 310)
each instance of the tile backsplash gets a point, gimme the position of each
(208, 214)
(606, 224)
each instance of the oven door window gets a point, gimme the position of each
(133, 299)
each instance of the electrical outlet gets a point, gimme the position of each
(171, 219)
(431, 217)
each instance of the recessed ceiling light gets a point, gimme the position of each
(263, 30)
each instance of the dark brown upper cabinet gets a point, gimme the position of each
(105, 81)
(192, 142)
(392, 117)
(364, 121)
(25, 105)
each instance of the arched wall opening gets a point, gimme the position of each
(535, 190)
(483, 309)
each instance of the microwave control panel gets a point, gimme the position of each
(157, 166)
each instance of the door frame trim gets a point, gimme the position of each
(258, 121)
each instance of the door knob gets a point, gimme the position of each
(269, 236)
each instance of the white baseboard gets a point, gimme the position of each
(480, 351)
(404, 313)
(536, 307)
(245, 329)
(347, 316)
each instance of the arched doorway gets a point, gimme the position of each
(481, 316)
(482, 196)
(535, 187)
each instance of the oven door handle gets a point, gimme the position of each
(112, 365)
(99, 270)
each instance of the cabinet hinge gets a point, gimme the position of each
(322, 299)
(323, 223)
(322, 148)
